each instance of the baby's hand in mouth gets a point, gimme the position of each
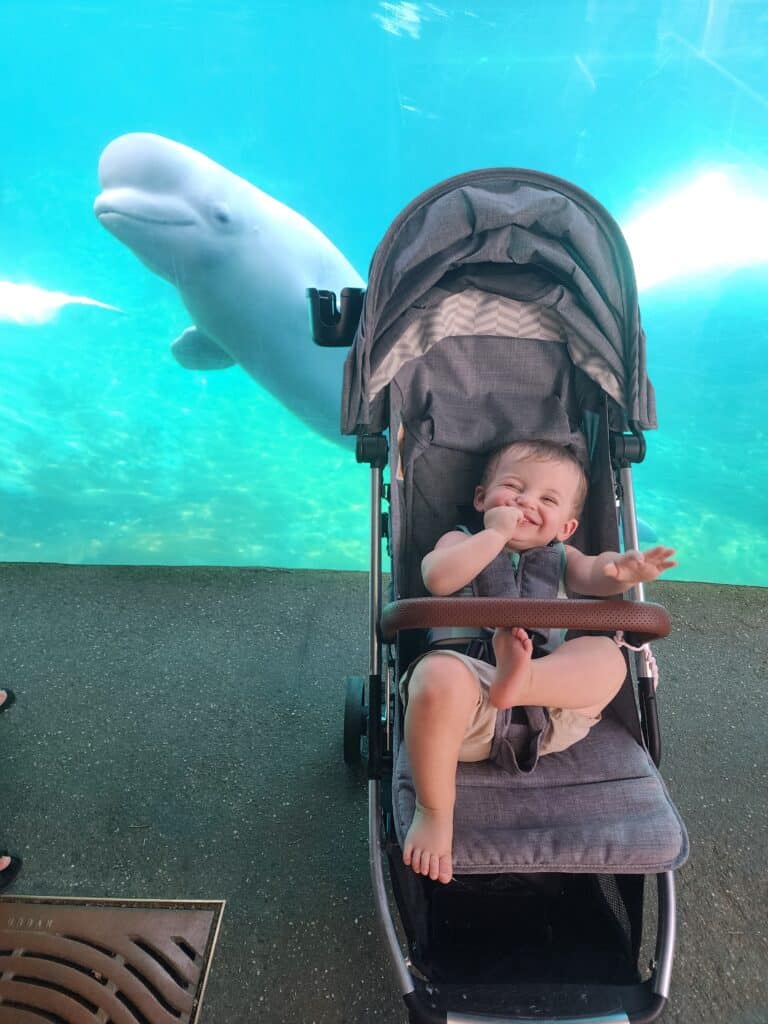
(504, 519)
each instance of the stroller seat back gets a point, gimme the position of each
(457, 397)
(461, 398)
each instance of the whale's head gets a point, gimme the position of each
(179, 212)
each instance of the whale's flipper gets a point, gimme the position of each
(196, 351)
(645, 532)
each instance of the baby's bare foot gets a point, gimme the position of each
(513, 649)
(428, 844)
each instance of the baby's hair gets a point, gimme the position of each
(546, 451)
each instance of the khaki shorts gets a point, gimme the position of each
(565, 726)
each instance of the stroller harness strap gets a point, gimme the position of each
(537, 573)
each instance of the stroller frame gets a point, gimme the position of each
(370, 726)
(373, 450)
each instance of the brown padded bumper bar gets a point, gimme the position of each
(641, 621)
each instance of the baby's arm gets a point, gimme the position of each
(457, 558)
(613, 573)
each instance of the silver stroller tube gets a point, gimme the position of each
(645, 664)
(632, 541)
(383, 914)
(667, 928)
(404, 980)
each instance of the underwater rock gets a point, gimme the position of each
(241, 262)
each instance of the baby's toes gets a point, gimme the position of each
(420, 862)
(445, 872)
(434, 867)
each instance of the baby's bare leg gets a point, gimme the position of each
(513, 649)
(442, 696)
(584, 674)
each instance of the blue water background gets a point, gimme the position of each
(110, 452)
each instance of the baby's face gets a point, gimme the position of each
(543, 490)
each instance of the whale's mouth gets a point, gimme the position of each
(176, 222)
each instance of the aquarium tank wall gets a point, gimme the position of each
(125, 440)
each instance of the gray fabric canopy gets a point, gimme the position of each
(537, 242)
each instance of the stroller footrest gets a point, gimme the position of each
(552, 1003)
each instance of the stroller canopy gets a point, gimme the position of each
(508, 252)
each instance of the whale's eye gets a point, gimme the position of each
(221, 214)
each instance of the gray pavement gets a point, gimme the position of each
(177, 735)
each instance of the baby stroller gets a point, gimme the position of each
(502, 305)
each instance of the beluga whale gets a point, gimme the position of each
(241, 262)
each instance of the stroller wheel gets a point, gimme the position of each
(355, 719)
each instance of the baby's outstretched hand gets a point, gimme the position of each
(640, 566)
(504, 519)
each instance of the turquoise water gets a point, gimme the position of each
(110, 452)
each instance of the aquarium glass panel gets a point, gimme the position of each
(161, 400)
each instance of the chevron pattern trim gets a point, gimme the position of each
(471, 312)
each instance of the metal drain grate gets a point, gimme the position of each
(92, 961)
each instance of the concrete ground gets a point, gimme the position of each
(177, 735)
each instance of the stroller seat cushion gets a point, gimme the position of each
(599, 806)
